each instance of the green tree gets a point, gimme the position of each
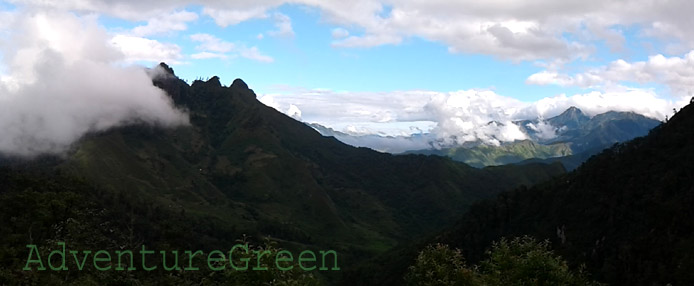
(521, 261)
(525, 261)
(438, 264)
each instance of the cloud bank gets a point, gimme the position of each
(62, 78)
(407, 120)
(512, 30)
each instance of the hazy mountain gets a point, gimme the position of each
(626, 214)
(569, 138)
(389, 144)
(239, 168)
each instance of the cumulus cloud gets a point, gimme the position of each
(139, 49)
(213, 47)
(211, 43)
(514, 30)
(677, 73)
(175, 21)
(229, 17)
(64, 79)
(472, 115)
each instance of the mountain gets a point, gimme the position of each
(625, 214)
(486, 155)
(239, 168)
(565, 126)
(568, 138)
(388, 144)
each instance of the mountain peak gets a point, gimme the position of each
(166, 68)
(572, 110)
(214, 80)
(571, 118)
(239, 83)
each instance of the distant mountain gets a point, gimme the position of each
(564, 127)
(388, 144)
(483, 155)
(239, 168)
(569, 138)
(626, 214)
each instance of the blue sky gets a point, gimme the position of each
(387, 67)
(308, 59)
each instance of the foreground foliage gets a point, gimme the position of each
(521, 261)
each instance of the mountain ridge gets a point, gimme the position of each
(575, 137)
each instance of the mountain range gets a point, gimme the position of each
(240, 168)
(569, 138)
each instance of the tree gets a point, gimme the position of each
(525, 261)
(438, 264)
(521, 261)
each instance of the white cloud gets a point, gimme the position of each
(472, 115)
(213, 47)
(545, 77)
(63, 79)
(142, 49)
(513, 30)
(228, 17)
(544, 130)
(208, 55)
(175, 21)
(677, 73)
(253, 53)
(211, 43)
(294, 112)
(451, 118)
(283, 25)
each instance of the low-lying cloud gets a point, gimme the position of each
(61, 78)
(406, 120)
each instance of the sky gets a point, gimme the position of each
(403, 69)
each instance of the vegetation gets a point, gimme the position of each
(486, 155)
(521, 261)
(45, 208)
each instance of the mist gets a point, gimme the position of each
(61, 78)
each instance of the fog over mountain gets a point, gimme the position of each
(58, 85)
(388, 121)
